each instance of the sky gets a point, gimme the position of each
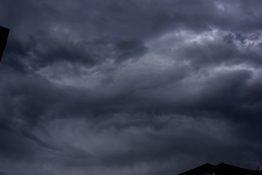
(132, 87)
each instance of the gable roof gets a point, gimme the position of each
(221, 169)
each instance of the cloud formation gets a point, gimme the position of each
(130, 87)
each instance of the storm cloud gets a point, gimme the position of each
(130, 87)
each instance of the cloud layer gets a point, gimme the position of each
(130, 87)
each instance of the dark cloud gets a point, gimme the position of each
(130, 87)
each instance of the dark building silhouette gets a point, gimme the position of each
(3, 39)
(221, 169)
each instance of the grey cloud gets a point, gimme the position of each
(129, 87)
(132, 21)
(116, 142)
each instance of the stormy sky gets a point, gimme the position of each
(130, 87)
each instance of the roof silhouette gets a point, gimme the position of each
(3, 39)
(220, 169)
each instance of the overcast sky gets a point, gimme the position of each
(130, 87)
